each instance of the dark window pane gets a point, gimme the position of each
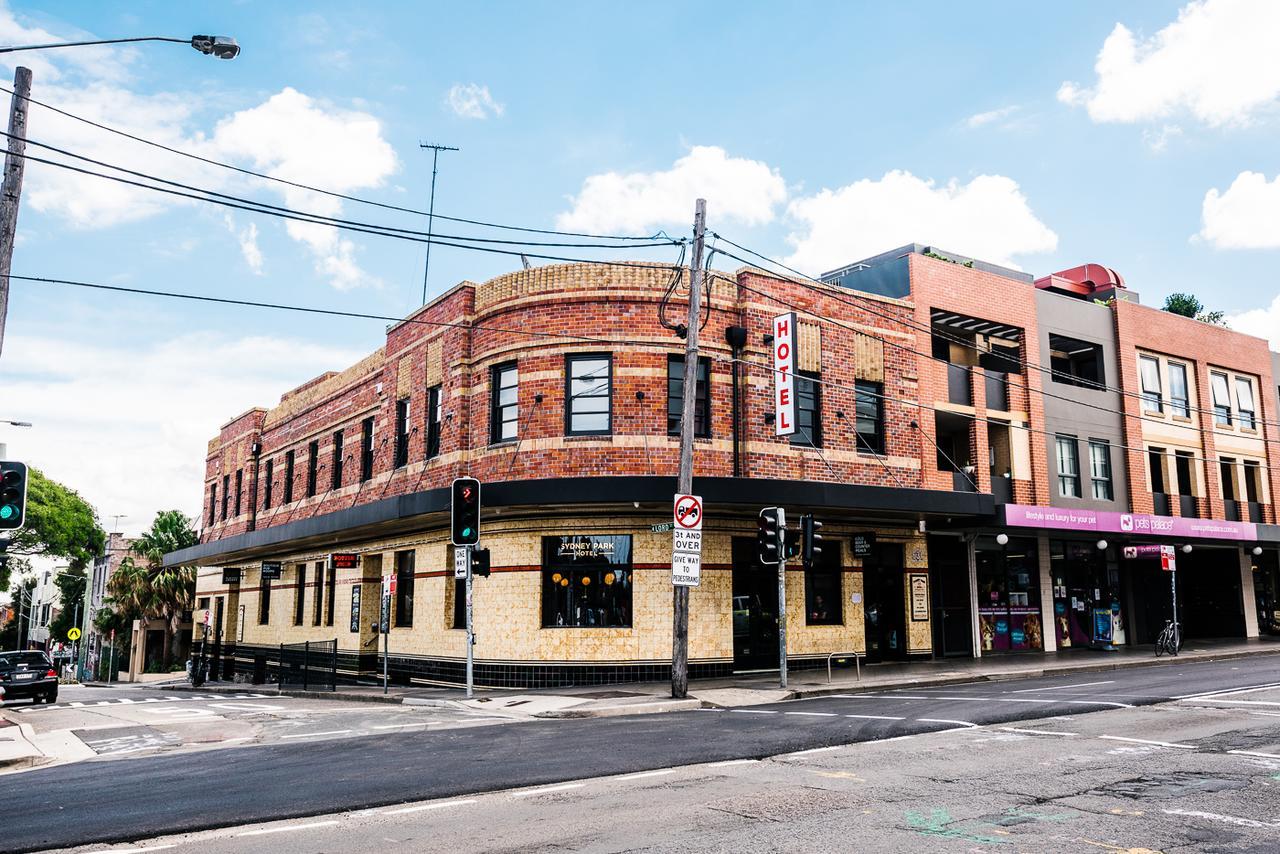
(586, 581)
(808, 410)
(404, 589)
(870, 416)
(675, 397)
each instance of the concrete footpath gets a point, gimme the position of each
(762, 687)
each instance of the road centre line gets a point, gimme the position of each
(814, 714)
(1231, 702)
(877, 717)
(1243, 690)
(645, 774)
(1148, 741)
(288, 828)
(1096, 703)
(946, 721)
(424, 807)
(755, 711)
(312, 734)
(1036, 731)
(547, 790)
(729, 762)
(134, 850)
(396, 726)
(1255, 753)
(1063, 687)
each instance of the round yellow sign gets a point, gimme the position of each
(73, 634)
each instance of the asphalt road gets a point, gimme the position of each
(236, 786)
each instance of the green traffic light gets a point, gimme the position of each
(8, 512)
(466, 532)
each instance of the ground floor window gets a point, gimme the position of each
(823, 605)
(1009, 595)
(586, 581)
(1086, 594)
(404, 589)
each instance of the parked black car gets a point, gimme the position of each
(28, 674)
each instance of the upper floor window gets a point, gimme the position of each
(504, 409)
(402, 432)
(1100, 468)
(675, 397)
(1226, 467)
(1179, 394)
(588, 395)
(1068, 467)
(808, 410)
(313, 466)
(869, 416)
(239, 489)
(213, 502)
(1152, 397)
(366, 449)
(1252, 479)
(335, 479)
(1076, 362)
(1244, 403)
(270, 485)
(226, 494)
(1221, 398)
(433, 421)
(288, 476)
(1155, 464)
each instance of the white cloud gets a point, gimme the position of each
(1263, 322)
(127, 424)
(247, 237)
(1158, 140)
(472, 101)
(738, 189)
(290, 135)
(1218, 61)
(1245, 216)
(988, 218)
(978, 120)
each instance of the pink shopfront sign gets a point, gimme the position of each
(1109, 522)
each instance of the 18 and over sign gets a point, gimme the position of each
(686, 541)
(784, 373)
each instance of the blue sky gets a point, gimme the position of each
(819, 133)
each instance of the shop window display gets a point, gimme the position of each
(1009, 595)
(1087, 608)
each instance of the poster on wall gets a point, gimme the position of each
(919, 586)
(355, 607)
(864, 544)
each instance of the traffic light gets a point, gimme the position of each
(13, 495)
(770, 535)
(810, 540)
(480, 563)
(465, 510)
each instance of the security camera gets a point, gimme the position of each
(223, 47)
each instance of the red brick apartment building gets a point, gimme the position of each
(927, 446)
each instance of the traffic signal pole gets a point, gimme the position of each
(680, 593)
(782, 598)
(471, 635)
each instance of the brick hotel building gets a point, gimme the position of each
(988, 452)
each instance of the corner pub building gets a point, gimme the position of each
(560, 390)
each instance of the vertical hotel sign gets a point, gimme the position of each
(784, 370)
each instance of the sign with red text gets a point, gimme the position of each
(784, 371)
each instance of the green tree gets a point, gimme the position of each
(59, 524)
(153, 591)
(1188, 305)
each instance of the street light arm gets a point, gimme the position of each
(86, 44)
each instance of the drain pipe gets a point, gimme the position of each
(736, 338)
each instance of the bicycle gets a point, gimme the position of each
(1165, 642)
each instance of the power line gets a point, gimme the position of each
(330, 193)
(1025, 361)
(320, 219)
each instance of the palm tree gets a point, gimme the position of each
(155, 591)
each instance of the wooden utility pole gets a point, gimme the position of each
(680, 594)
(11, 190)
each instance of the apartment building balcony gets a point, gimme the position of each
(997, 387)
(1160, 504)
(959, 388)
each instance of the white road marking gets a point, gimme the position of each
(814, 714)
(291, 827)
(395, 726)
(731, 762)
(312, 734)
(813, 750)
(1063, 687)
(946, 721)
(247, 707)
(1230, 702)
(424, 807)
(889, 697)
(133, 850)
(1096, 703)
(754, 711)
(897, 738)
(877, 717)
(1226, 819)
(1243, 690)
(648, 774)
(1148, 741)
(1255, 753)
(1035, 731)
(547, 790)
